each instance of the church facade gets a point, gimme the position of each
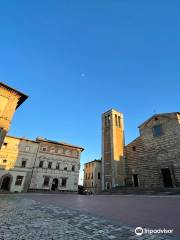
(152, 160)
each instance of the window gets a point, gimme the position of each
(99, 175)
(44, 149)
(157, 130)
(19, 180)
(109, 119)
(65, 168)
(4, 161)
(119, 121)
(89, 176)
(64, 182)
(73, 168)
(46, 181)
(86, 175)
(27, 149)
(116, 122)
(49, 164)
(92, 184)
(23, 163)
(4, 145)
(92, 176)
(57, 165)
(41, 164)
(134, 148)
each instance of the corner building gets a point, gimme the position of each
(38, 165)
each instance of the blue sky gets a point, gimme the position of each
(77, 59)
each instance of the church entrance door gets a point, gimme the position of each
(166, 174)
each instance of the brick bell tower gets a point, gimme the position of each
(10, 100)
(113, 165)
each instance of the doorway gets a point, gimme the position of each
(54, 184)
(108, 185)
(6, 181)
(167, 180)
(135, 180)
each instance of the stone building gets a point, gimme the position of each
(38, 165)
(17, 157)
(56, 167)
(153, 159)
(92, 176)
(113, 166)
(10, 100)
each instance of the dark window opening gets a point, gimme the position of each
(5, 145)
(99, 175)
(64, 182)
(157, 130)
(116, 121)
(41, 164)
(119, 121)
(4, 161)
(65, 168)
(19, 180)
(23, 163)
(46, 181)
(134, 148)
(73, 168)
(57, 166)
(49, 164)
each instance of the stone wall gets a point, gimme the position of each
(147, 155)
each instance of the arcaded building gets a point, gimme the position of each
(152, 160)
(38, 165)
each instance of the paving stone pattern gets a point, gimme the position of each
(25, 219)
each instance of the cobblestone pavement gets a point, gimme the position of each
(26, 219)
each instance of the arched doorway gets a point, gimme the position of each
(54, 184)
(6, 182)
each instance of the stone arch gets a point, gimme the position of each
(5, 182)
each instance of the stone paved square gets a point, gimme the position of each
(24, 218)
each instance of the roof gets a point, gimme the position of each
(23, 97)
(95, 160)
(39, 139)
(22, 138)
(110, 110)
(158, 115)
